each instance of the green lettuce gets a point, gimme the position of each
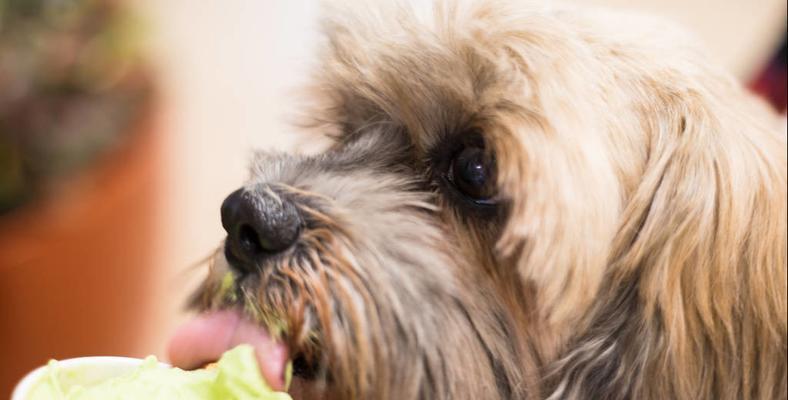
(236, 377)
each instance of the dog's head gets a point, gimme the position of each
(492, 170)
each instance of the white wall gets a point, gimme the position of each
(738, 33)
(227, 69)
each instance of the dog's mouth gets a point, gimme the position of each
(203, 340)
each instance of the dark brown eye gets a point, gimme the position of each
(473, 173)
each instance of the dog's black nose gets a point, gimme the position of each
(259, 223)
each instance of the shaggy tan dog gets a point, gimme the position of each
(521, 201)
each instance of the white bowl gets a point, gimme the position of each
(78, 371)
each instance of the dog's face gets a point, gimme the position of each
(379, 261)
(370, 260)
(487, 167)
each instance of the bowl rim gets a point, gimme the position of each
(26, 384)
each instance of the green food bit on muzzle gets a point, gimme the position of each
(227, 288)
(236, 377)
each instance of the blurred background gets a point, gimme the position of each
(124, 124)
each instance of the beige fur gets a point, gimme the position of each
(640, 247)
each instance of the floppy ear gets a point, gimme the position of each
(704, 237)
(555, 165)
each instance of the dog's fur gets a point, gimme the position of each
(637, 249)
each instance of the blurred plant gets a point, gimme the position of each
(772, 83)
(71, 83)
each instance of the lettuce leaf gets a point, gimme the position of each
(236, 377)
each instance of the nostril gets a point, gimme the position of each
(231, 209)
(249, 239)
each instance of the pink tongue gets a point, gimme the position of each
(204, 339)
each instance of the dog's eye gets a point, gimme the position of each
(472, 173)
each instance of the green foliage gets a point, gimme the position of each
(72, 81)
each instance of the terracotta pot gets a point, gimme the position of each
(76, 267)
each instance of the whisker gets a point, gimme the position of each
(303, 192)
(273, 194)
(319, 216)
(207, 260)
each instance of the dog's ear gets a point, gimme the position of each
(693, 213)
(704, 237)
(564, 202)
(555, 170)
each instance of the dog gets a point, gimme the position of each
(519, 201)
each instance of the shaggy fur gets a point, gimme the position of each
(636, 248)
